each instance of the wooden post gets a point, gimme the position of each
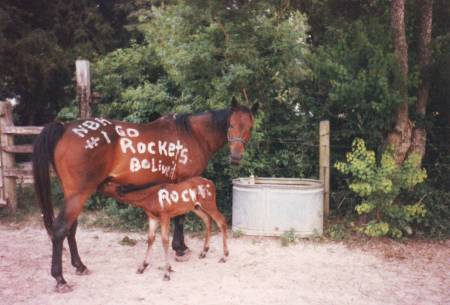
(83, 76)
(324, 166)
(8, 189)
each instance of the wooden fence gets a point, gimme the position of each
(12, 173)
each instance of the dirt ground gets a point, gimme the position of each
(259, 271)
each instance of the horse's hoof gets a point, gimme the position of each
(183, 258)
(170, 269)
(181, 253)
(222, 260)
(202, 255)
(63, 288)
(85, 271)
(166, 277)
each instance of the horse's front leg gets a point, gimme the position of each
(152, 226)
(178, 244)
(165, 227)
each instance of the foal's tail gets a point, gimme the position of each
(43, 150)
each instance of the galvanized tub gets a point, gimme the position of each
(271, 206)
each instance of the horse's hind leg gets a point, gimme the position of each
(207, 221)
(59, 233)
(74, 255)
(165, 226)
(61, 227)
(152, 226)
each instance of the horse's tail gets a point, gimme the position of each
(43, 156)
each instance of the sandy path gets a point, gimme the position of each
(258, 272)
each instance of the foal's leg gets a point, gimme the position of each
(75, 257)
(178, 244)
(152, 226)
(222, 224)
(207, 221)
(165, 226)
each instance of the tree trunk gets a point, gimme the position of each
(419, 137)
(400, 136)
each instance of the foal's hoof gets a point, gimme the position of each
(63, 288)
(141, 269)
(166, 277)
(85, 271)
(223, 260)
(202, 255)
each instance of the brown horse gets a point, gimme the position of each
(88, 153)
(164, 201)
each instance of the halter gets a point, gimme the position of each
(234, 139)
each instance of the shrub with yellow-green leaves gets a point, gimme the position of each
(379, 185)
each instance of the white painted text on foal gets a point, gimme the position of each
(189, 195)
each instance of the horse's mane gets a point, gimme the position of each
(220, 119)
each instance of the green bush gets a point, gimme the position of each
(184, 64)
(436, 223)
(379, 186)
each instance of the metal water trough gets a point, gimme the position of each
(271, 206)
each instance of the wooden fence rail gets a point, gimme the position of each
(11, 173)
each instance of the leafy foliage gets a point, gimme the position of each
(303, 61)
(196, 57)
(379, 185)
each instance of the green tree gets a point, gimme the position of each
(40, 42)
(196, 56)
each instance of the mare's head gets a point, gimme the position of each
(240, 124)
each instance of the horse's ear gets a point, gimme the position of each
(255, 108)
(234, 103)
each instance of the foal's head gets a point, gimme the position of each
(239, 131)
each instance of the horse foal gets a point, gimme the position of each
(164, 201)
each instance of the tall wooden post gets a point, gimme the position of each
(8, 184)
(83, 76)
(324, 165)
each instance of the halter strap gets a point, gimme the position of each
(235, 139)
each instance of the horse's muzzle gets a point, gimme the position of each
(235, 161)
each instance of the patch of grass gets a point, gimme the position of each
(288, 238)
(337, 231)
(127, 241)
(316, 236)
(238, 233)
(26, 205)
(26, 199)
(193, 224)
